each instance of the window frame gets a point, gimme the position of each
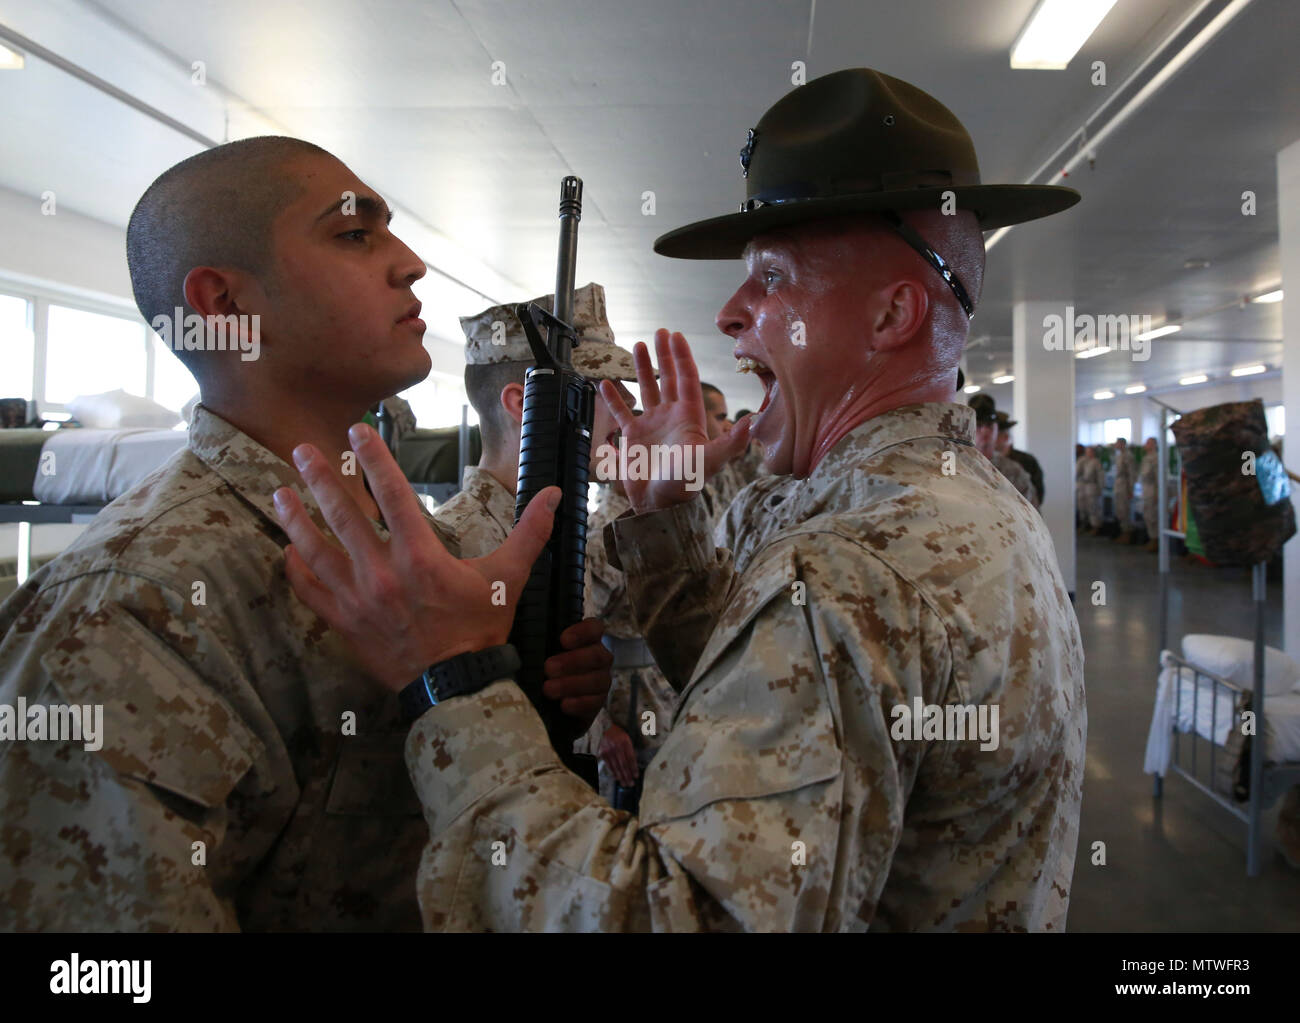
(40, 297)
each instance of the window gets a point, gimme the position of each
(1113, 429)
(437, 401)
(89, 353)
(53, 350)
(173, 384)
(1276, 417)
(17, 346)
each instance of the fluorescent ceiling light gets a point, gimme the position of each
(1135, 388)
(1092, 353)
(1170, 328)
(971, 388)
(1005, 379)
(1055, 32)
(1248, 371)
(1272, 296)
(10, 60)
(1200, 378)
(1102, 395)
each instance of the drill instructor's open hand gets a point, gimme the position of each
(674, 416)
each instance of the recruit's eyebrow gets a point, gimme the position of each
(367, 204)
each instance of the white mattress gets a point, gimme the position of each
(1213, 709)
(97, 466)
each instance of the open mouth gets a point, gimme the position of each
(748, 364)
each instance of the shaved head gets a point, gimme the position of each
(483, 387)
(214, 209)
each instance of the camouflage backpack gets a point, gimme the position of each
(1236, 485)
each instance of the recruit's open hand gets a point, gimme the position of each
(674, 416)
(406, 604)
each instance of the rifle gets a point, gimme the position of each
(555, 450)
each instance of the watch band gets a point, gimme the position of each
(457, 676)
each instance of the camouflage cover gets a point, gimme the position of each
(1236, 523)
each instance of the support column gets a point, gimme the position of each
(1043, 405)
(1288, 226)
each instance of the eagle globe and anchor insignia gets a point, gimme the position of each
(747, 153)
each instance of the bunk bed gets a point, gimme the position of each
(1255, 769)
(94, 467)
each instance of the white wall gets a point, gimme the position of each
(64, 249)
(1145, 414)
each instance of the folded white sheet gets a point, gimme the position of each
(1209, 710)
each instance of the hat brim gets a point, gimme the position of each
(603, 362)
(995, 206)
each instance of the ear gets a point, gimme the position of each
(212, 292)
(512, 400)
(904, 308)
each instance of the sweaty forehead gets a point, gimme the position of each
(822, 245)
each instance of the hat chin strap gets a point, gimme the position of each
(933, 258)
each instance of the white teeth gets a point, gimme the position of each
(747, 365)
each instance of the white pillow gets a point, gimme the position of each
(1234, 660)
(117, 410)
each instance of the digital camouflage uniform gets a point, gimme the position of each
(780, 799)
(759, 511)
(1149, 478)
(637, 686)
(750, 465)
(723, 486)
(1125, 477)
(1016, 475)
(225, 708)
(1087, 489)
(479, 517)
(1030, 464)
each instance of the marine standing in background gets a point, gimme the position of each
(1027, 461)
(749, 465)
(1152, 513)
(634, 723)
(497, 359)
(1125, 477)
(728, 481)
(1088, 478)
(986, 440)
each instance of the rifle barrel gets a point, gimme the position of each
(566, 264)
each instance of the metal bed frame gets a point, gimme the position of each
(33, 513)
(1267, 780)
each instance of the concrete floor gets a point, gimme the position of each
(1179, 863)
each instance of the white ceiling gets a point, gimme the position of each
(637, 97)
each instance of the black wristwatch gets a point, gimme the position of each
(457, 676)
